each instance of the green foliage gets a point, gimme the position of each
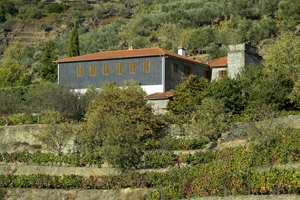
(288, 9)
(200, 38)
(175, 144)
(265, 88)
(8, 6)
(2, 194)
(124, 108)
(255, 31)
(229, 91)
(284, 55)
(29, 13)
(159, 160)
(49, 69)
(2, 14)
(139, 42)
(103, 39)
(18, 119)
(39, 158)
(120, 146)
(12, 74)
(188, 95)
(74, 42)
(56, 8)
(214, 52)
(211, 118)
(57, 133)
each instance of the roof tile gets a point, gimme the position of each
(159, 95)
(218, 62)
(129, 53)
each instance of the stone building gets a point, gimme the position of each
(238, 56)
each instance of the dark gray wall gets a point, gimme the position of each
(252, 58)
(173, 78)
(68, 72)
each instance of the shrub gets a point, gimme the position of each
(56, 8)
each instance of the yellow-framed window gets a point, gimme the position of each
(132, 67)
(79, 70)
(146, 66)
(119, 68)
(106, 69)
(223, 73)
(92, 70)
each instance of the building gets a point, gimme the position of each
(156, 69)
(238, 56)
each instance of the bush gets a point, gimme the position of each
(211, 119)
(56, 8)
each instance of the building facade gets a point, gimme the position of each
(156, 69)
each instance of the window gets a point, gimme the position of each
(93, 70)
(207, 74)
(132, 67)
(175, 67)
(79, 70)
(187, 69)
(119, 68)
(106, 69)
(146, 66)
(223, 73)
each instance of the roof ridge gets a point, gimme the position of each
(162, 50)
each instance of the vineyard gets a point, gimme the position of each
(207, 172)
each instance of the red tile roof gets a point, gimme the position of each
(218, 62)
(129, 53)
(194, 58)
(159, 95)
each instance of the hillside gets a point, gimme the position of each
(111, 24)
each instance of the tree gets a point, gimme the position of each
(10, 103)
(57, 133)
(284, 56)
(214, 51)
(74, 42)
(49, 69)
(2, 14)
(229, 91)
(120, 145)
(294, 96)
(12, 74)
(288, 9)
(264, 87)
(188, 95)
(116, 115)
(211, 119)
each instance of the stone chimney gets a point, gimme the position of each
(181, 50)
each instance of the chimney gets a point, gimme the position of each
(131, 48)
(181, 50)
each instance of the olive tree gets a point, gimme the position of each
(57, 132)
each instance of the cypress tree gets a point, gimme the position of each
(49, 69)
(74, 42)
(2, 14)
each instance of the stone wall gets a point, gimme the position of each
(121, 194)
(20, 137)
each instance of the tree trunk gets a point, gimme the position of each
(59, 157)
